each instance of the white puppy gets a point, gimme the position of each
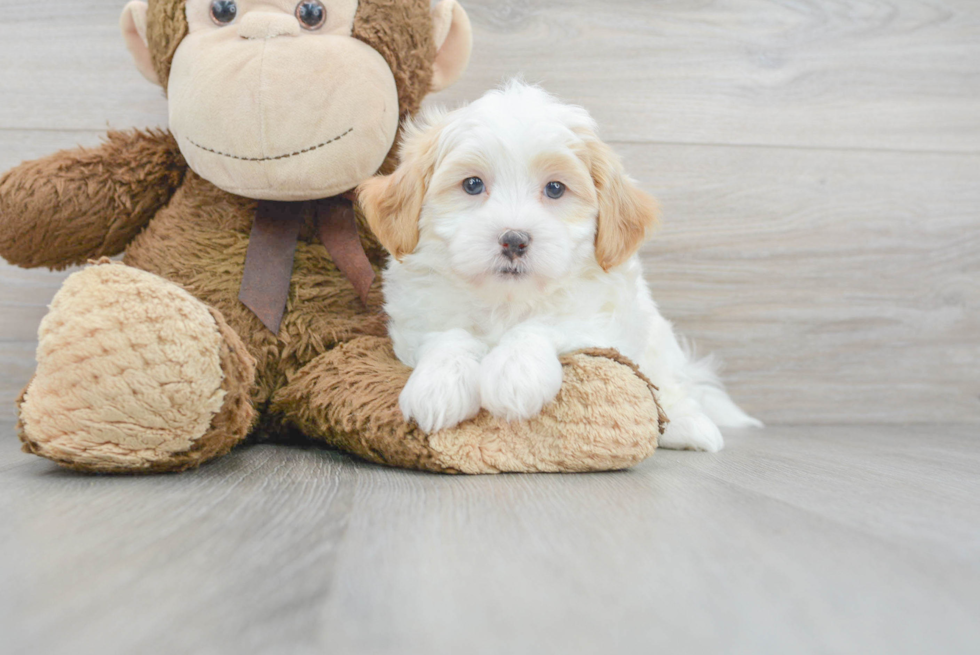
(514, 233)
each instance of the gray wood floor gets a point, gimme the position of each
(819, 168)
(818, 164)
(795, 540)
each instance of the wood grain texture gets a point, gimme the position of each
(793, 540)
(834, 286)
(895, 74)
(819, 168)
(66, 68)
(817, 162)
(17, 364)
(830, 292)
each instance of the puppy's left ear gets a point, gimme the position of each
(393, 203)
(626, 214)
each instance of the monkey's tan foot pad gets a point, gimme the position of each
(606, 416)
(134, 375)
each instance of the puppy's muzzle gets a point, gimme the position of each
(514, 244)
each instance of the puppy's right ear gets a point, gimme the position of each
(393, 203)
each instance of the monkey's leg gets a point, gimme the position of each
(134, 375)
(605, 417)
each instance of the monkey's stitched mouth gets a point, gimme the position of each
(259, 159)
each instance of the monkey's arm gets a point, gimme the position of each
(86, 203)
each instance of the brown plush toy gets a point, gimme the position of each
(244, 304)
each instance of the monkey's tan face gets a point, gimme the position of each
(275, 100)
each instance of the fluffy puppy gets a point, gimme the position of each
(513, 232)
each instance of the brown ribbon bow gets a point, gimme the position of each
(272, 248)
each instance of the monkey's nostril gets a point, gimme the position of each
(514, 244)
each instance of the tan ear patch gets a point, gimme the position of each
(393, 203)
(626, 214)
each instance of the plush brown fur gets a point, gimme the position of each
(166, 27)
(199, 241)
(409, 49)
(605, 417)
(330, 371)
(79, 205)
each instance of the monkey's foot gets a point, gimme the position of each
(605, 417)
(134, 375)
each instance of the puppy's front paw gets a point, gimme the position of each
(692, 431)
(518, 379)
(442, 394)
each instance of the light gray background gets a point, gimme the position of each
(819, 168)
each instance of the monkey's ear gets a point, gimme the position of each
(453, 36)
(133, 25)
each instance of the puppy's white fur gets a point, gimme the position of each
(481, 330)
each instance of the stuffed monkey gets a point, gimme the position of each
(244, 303)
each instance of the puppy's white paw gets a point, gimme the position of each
(692, 431)
(518, 378)
(442, 393)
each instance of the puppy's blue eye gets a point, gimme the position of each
(223, 11)
(473, 186)
(554, 190)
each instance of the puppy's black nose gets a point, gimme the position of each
(514, 244)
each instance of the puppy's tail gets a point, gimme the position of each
(708, 390)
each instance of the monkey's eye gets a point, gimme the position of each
(311, 14)
(473, 186)
(223, 11)
(554, 190)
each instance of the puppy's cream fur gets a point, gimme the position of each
(482, 330)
